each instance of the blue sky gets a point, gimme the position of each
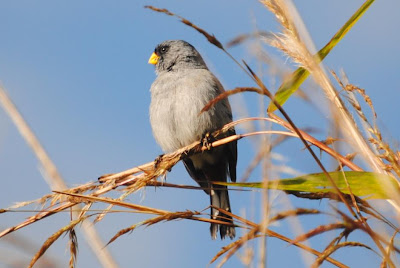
(78, 72)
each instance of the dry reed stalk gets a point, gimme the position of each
(140, 176)
(53, 178)
(291, 43)
(147, 173)
(133, 179)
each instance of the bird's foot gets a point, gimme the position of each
(103, 178)
(157, 161)
(207, 140)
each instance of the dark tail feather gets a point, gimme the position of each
(219, 197)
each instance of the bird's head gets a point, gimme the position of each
(175, 55)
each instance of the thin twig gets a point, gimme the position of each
(53, 178)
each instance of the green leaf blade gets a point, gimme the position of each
(292, 84)
(367, 185)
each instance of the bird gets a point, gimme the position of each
(183, 86)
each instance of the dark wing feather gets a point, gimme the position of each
(231, 148)
(196, 174)
(232, 156)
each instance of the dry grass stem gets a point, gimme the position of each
(362, 143)
(290, 43)
(73, 247)
(53, 238)
(334, 248)
(53, 177)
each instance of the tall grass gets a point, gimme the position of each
(370, 172)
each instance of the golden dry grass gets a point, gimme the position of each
(368, 148)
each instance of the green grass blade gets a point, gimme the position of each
(368, 185)
(290, 85)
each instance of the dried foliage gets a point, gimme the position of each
(368, 146)
(73, 247)
(54, 238)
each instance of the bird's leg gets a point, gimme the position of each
(158, 159)
(103, 178)
(207, 140)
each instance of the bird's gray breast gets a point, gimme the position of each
(176, 101)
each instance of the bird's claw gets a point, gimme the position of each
(207, 140)
(157, 161)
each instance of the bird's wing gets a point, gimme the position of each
(231, 148)
(232, 156)
(196, 174)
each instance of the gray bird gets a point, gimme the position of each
(183, 86)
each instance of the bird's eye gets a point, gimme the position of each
(161, 50)
(164, 49)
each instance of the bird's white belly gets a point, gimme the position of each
(177, 126)
(175, 110)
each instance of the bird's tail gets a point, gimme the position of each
(219, 198)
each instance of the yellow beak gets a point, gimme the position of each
(153, 58)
